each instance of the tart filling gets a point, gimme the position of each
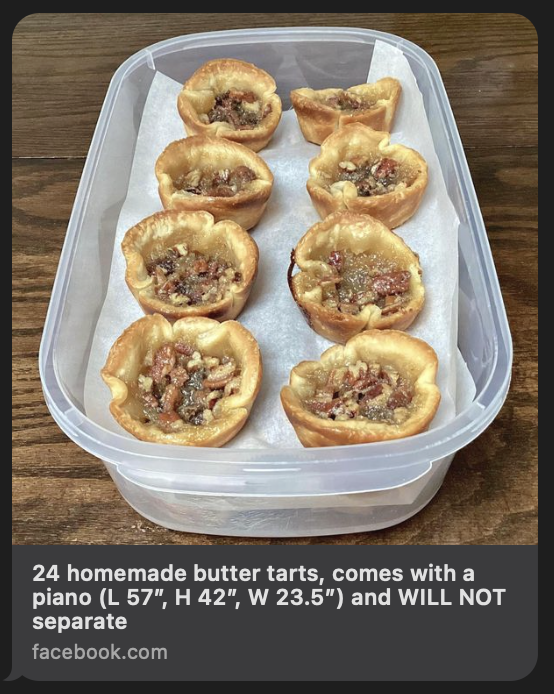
(371, 177)
(348, 101)
(241, 109)
(356, 280)
(361, 391)
(190, 278)
(218, 184)
(183, 385)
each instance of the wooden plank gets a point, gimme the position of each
(73, 511)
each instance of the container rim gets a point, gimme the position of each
(346, 460)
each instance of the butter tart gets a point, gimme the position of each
(360, 171)
(320, 112)
(377, 387)
(355, 274)
(231, 99)
(208, 173)
(181, 264)
(190, 383)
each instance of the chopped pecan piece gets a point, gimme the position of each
(168, 417)
(164, 361)
(391, 283)
(321, 405)
(372, 392)
(183, 348)
(401, 396)
(336, 260)
(385, 169)
(220, 376)
(179, 376)
(170, 398)
(200, 266)
(150, 401)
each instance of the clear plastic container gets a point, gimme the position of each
(279, 492)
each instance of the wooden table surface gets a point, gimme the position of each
(62, 64)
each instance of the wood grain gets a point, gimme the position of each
(61, 68)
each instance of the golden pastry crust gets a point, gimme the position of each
(153, 236)
(217, 77)
(208, 155)
(318, 120)
(355, 141)
(358, 234)
(137, 345)
(413, 358)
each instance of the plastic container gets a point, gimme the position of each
(285, 492)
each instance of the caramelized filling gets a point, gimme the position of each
(348, 101)
(362, 391)
(356, 280)
(241, 109)
(220, 184)
(189, 278)
(182, 385)
(375, 177)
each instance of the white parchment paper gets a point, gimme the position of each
(271, 314)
